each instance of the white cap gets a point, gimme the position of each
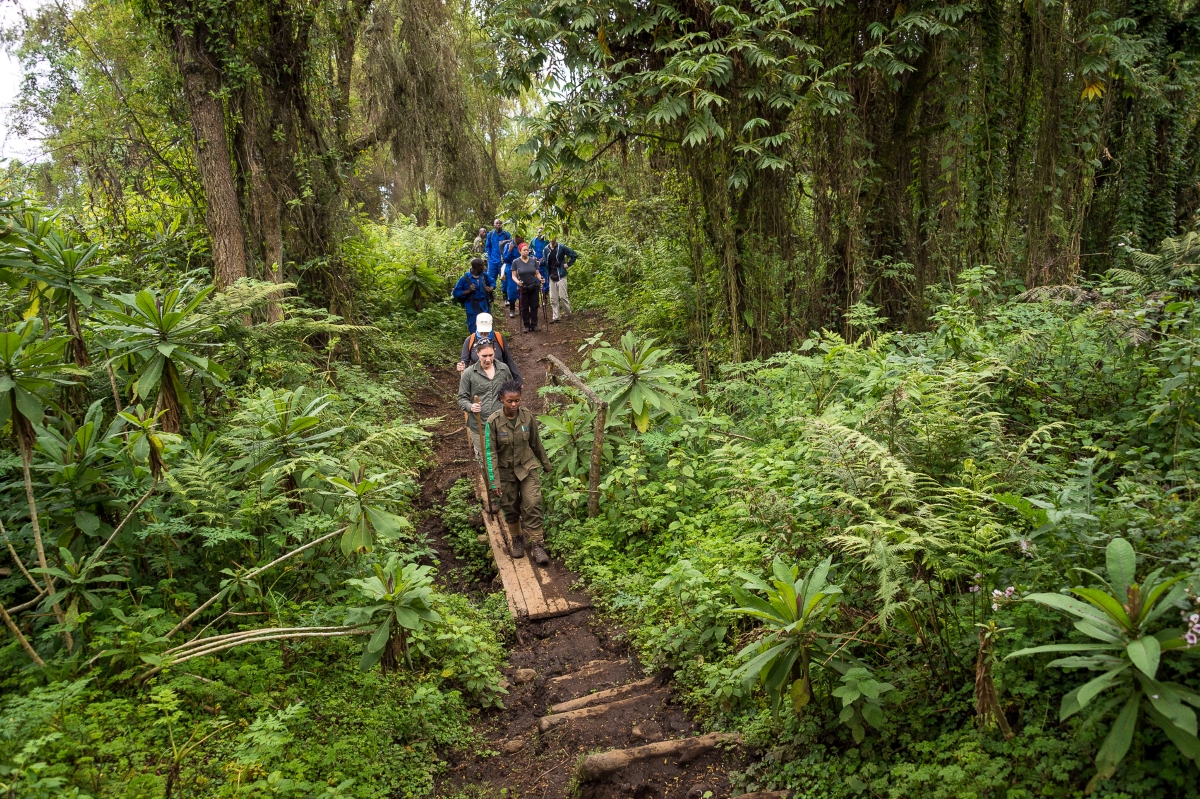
(483, 323)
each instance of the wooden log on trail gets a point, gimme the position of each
(605, 764)
(601, 697)
(592, 667)
(547, 723)
(597, 434)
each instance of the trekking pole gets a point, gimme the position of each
(487, 455)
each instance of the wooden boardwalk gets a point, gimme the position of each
(531, 591)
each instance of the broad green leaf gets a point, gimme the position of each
(1121, 562)
(1113, 750)
(1144, 652)
(1105, 602)
(387, 525)
(1037, 650)
(1078, 699)
(1185, 741)
(29, 405)
(380, 637)
(356, 538)
(1069, 604)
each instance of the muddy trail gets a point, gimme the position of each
(575, 689)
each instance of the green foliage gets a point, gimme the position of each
(792, 612)
(30, 366)
(402, 592)
(1121, 617)
(629, 378)
(358, 499)
(861, 701)
(163, 335)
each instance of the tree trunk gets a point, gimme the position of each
(201, 81)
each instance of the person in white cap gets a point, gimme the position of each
(484, 332)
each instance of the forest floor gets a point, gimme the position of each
(559, 659)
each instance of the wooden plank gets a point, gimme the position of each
(523, 582)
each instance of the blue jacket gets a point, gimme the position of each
(493, 245)
(471, 289)
(539, 247)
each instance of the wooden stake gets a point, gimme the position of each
(597, 434)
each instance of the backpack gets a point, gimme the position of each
(496, 333)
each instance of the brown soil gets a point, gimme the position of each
(545, 764)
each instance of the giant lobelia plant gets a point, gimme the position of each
(403, 597)
(631, 377)
(164, 334)
(1127, 653)
(792, 610)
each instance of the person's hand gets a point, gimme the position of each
(460, 366)
(497, 490)
(476, 407)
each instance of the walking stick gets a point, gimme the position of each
(487, 455)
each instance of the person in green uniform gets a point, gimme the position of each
(518, 455)
(479, 390)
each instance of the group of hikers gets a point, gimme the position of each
(527, 272)
(503, 433)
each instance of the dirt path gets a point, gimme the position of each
(562, 659)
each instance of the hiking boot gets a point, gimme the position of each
(539, 555)
(518, 540)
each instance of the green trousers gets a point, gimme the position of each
(521, 501)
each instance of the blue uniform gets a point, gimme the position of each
(493, 247)
(473, 291)
(511, 290)
(539, 247)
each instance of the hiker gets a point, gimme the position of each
(558, 258)
(474, 291)
(484, 332)
(478, 244)
(493, 247)
(517, 453)
(512, 292)
(525, 270)
(479, 390)
(539, 244)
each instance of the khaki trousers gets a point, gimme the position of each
(521, 501)
(558, 293)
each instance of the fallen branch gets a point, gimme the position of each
(259, 636)
(16, 631)
(250, 575)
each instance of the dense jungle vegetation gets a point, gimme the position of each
(902, 472)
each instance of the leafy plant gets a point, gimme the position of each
(358, 501)
(403, 596)
(630, 377)
(792, 610)
(1120, 617)
(280, 433)
(163, 333)
(861, 696)
(568, 438)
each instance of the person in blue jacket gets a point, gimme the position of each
(493, 248)
(474, 291)
(539, 244)
(512, 292)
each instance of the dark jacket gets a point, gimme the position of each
(558, 259)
